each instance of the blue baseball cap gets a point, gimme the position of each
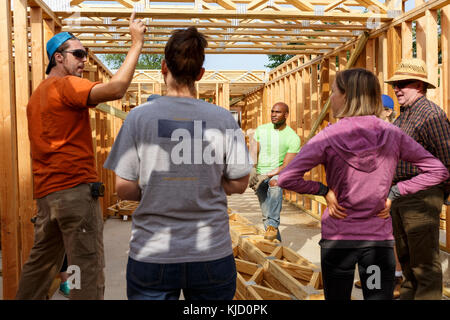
(54, 43)
(387, 101)
(153, 97)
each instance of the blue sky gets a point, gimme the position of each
(248, 62)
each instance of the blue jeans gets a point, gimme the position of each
(270, 200)
(206, 280)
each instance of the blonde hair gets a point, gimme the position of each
(362, 93)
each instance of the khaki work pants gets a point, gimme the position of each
(68, 221)
(415, 220)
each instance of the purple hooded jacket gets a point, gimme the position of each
(360, 156)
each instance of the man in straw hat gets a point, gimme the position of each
(65, 180)
(415, 217)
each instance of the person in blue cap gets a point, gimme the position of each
(388, 114)
(65, 181)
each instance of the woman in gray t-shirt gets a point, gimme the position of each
(180, 157)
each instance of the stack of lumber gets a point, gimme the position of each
(123, 208)
(266, 270)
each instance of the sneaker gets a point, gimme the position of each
(398, 284)
(271, 233)
(358, 284)
(64, 289)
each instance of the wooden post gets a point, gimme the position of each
(421, 34)
(445, 81)
(394, 43)
(226, 95)
(370, 55)
(49, 32)
(407, 40)
(37, 46)
(431, 58)
(22, 82)
(350, 63)
(9, 190)
(139, 97)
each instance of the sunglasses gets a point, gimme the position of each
(79, 53)
(402, 84)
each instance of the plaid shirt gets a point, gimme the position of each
(428, 124)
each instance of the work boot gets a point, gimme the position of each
(271, 233)
(398, 284)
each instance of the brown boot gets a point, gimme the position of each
(271, 233)
(398, 284)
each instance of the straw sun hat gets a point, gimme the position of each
(410, 69)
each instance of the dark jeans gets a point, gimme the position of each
(376, 266)
(208, 280)
(415, 219)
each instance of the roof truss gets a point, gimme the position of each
(232, 26)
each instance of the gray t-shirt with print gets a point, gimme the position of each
(178, 149)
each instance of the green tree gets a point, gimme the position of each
(276, 59)
(146, 61)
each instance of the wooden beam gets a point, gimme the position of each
(411, 15)
(22, 82)
(123, 25)
(37, 46)
(297, 289)
(225, 14)
(445, 82)
(9, 195)
(431, 59)
(353, 57)
(46, 11)
(394, 54)
(407, 40)
(270, 294)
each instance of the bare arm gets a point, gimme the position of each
(117, 87)
(127, 190)
(254, 150)
(235, 185)
(287, 158)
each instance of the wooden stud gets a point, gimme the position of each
(445, 78)
(9, 179)
(37, 46)
(431, 57)
(22, 81)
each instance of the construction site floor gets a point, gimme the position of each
(299, 231)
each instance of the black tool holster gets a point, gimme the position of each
(97, 189)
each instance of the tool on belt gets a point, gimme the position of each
(97, 189)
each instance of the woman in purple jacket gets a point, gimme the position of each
(360, 154)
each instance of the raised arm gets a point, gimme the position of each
(119, 83)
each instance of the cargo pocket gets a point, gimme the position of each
(85, 242)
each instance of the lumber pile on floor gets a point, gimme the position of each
(123, 208)
(266, 270)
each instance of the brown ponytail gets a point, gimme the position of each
(185, 54)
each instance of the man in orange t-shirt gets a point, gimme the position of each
(69, 219)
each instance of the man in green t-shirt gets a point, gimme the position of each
(276, 145)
